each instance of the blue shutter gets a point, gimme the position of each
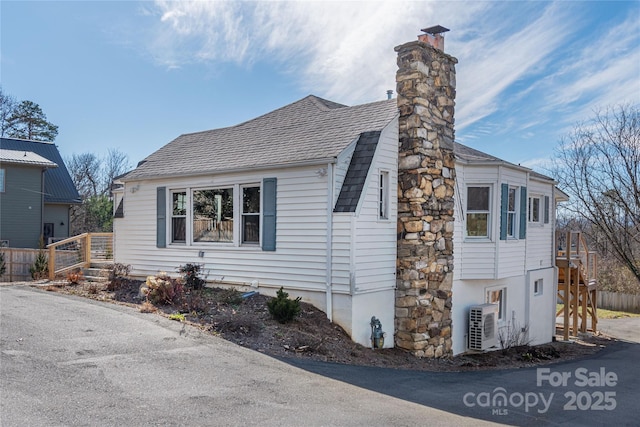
(523, 212)
(504, 205)
(269, 214)
(161, 217)
(546, 209)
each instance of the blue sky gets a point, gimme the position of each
(134, 75)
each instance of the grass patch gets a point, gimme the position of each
(606, 314)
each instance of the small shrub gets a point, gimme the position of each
(177, 316)
(231, 296)
(513, 336)
(75, 277)
(282, 308)
(40, 268)
(118, 276)
(93, 288)
(147, 307)
(190, 275)
(162, 289)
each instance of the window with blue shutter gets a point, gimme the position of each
(523, 213)
(546, 209)
(504, 204)
(161, 217)
(269, 191)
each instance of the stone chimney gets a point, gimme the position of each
(426, 88)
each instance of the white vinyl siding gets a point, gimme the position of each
(298, 262)
(375, 245)
(540, 236)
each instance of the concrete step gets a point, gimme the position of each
(96, 274)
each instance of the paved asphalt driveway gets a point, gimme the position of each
(70, 361)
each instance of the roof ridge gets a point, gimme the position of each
(29, 140)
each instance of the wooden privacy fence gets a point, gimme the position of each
(18, 261)
(619, 302)
(79, 252)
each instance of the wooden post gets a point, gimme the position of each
(87, 258)
(574, 301)
(584, 296)
(594, 312)
(52, 262)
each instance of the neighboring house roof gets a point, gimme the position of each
(58, 186)
(357, 173)
(309, 130)
(28, 158)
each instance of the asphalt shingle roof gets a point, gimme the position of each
(471, 155)
(357, 173)
(58, 186)
(310, 129)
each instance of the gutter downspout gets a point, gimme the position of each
(329, 252)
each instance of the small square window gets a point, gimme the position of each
(498, 296)
(534, 209)
(537, 287)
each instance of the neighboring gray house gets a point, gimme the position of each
(36, 193)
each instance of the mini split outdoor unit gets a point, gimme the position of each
(483, 328)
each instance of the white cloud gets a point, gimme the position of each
(344, 50)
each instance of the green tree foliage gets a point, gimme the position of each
(598, 165)
(99, 213)
(93, 176)
(7, 105)
(40, 267)
(28, 121)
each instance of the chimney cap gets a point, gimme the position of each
(437, 29)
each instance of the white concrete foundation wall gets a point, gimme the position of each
(380, 304)
(542, 306)
(467, 293)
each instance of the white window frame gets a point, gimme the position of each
(244, 214)
(538, 287)
(498, 295)
(191, 214)
(532, 210)
(185, 216)
(383, 195)
(512, 214)
(472, 212)
(237, 241)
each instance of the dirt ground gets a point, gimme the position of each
(247, 322)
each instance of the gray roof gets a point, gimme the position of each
(58, 186)
(308, 130)
(25, 158)
(357, 172)
(471, 155)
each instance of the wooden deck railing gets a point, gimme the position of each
(79, 252)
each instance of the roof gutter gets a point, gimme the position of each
(315, 162)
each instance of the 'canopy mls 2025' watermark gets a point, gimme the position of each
(596, 395)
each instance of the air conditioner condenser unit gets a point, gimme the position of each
(483, 326)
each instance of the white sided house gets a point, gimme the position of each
(369, 210)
